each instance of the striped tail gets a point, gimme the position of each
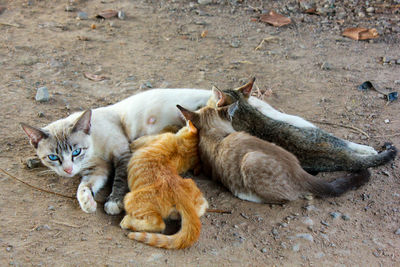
(185, 237)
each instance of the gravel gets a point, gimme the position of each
(42, 94)
(82, 15)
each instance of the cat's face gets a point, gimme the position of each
(65, 149)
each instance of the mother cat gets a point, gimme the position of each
(92, 143)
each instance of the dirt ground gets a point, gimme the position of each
(160, 44)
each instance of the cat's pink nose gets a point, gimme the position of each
(68, 170)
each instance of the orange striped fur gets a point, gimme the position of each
(157, 191)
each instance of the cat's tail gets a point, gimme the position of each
(337, 187)
(185, 237)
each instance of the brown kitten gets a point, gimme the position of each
(158, 192)
(254, 169)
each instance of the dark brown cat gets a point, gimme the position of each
(317, 150)
(254, 169)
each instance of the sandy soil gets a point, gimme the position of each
(160, 42)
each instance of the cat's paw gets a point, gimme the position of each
(112, 207)
(86, 200)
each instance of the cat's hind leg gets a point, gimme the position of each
(141, 215)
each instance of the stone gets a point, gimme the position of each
(42, 94)
(308, 237)
(397, 232)
(264, 250)
(296, 247)
(308, 221)
(346, 217)
(82, 15)
(326, 66)
(204, 2)
(51, 208)
(235, 43)
(275, 232)
(70, 8)
(121, 15)
(335, 215)
(50, 249)
(154, 257)
(370, 9)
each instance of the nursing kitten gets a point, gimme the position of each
(94, 143)
(317, 150)
(158, 192)
(254, 169)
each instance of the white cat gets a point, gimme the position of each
(91, 143)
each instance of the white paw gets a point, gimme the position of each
(362, 149)
(86, 201)
(113, 207)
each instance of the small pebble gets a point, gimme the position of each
(51, 208)
(326, 66)
(387, 121)
(264, 250)
(40, 114)
(296, 247)
(41, 227)
(42, 94)
(308, 221)
(306, 237)
(70, 8)
(346, 217)
(398, 61)
(235, 43)
(84, 239)
(50, 249)
(284, 225)
(82, 15)
(370, 9)
(397, 232)
(121, 15)
(324, 223)
(204, 2)
(310, 208)
(9, 248)
(361, 14)
(308, 197)
(275, 232)
(335, 215)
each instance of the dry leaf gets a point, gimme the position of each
(93, 26)
(360, 33)
(94, 77)
(275, 19)
(204, 34)
(311, 11)
(106, 14)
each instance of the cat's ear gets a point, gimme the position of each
(246, 89)
(83, 123)
(191, 127)
(187, 114)
(34, 134)
(219, 96)
(232, 109)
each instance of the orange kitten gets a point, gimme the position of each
(158, 192)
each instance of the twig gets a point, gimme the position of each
(219, 211)
(266, 39)
(387, 135)
(66, 224)
(9, 24)
(344, 126)
(35, 187)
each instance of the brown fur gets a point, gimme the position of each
(158, 192)
(254, 169)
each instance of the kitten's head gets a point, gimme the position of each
(221, 98)
(209, 118)
(63, 146)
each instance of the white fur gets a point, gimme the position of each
(249, 197)
(143, 114)
(362, 149)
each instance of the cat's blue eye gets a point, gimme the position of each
(53, 157)
(76, 152)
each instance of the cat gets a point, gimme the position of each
(93, 143)
(158, 192)
(254, 169)
(317, 150)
